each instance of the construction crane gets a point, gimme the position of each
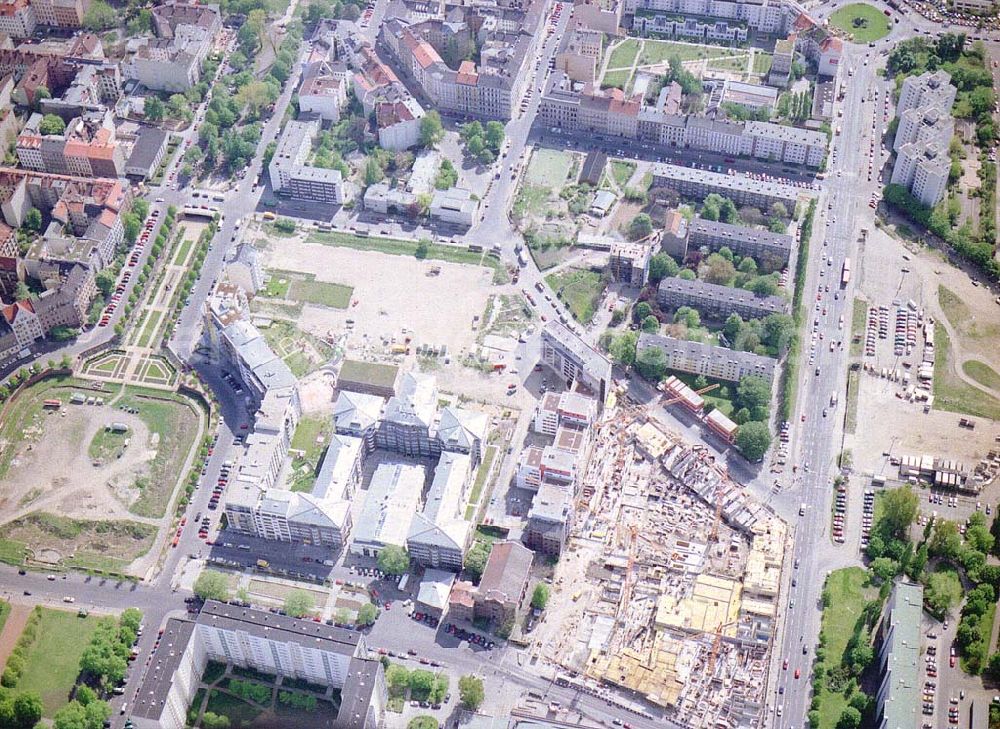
(714, 535)
(716, 645)
(702, 391)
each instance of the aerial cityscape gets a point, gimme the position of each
(499, 364)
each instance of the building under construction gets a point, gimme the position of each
(681, 572)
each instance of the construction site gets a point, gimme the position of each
(669, 586)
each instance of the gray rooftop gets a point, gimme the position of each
(721, 295)
(902, 646)
(665, 171)
(156, 683)
(594, 363)
(146, 147)
(715, 229)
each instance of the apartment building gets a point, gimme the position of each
(504, 584)
(60, 13)
(358, 414)
(290, 516)
(289, 648)
(609, 113)
(769, 17)
(900, 658)
(147, 153)
(392, 500)
(550, 520)
(172, 60)
(439, 533)
(931, 88)
(922, 168)
(580, 52)
(409, 417)
(772, 249)
(576, 361)
(323, 90)
(88, 147)
(22, 319)
(67, 302)
(717, 302)
(258, 367)
(697, 184)
(781, 62)
(505, 36)
(561, 409)
(9, 346)
(290, 172)
(629, 263)
(17, 18)
(710, 361)
(922, 124)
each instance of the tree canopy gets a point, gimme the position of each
(393, 560)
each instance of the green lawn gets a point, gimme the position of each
(4, 613)
(477, 487)
(312, 435)
(336, 296)
(378, 375)
(951, 393)
(853, 387)
(623, 56)
(175, 424)
(621, 171)
(982, 373)
(149, 330)
(52, 664)
(762, 62)
(580, 289)
(240, 713)
(864, 22)
(278, 284)
(848, 595)
(13, 552)
(657, 51)
(106, 444)
(396, 247)
(617, 79)
(548, 168)
(859, 321)
(733, 63)
(182, 252)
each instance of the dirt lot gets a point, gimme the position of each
(51, 470)
(393, 294)
(887, 423)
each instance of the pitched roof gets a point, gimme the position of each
(506, 571)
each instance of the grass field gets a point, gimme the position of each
(52, 664)
(182, 251)
(240, 713)
(106, 444)
(394, 247)
(762, 62)
(623, 56)
(312, 436)
(848, 595)
(548, 168)
(477, 487)
(864, 22)
(580, 289)
(278, 284)
(378, 375)
(4, 613)
(733, 63)
(621, 171)
(100, 545)
(175, 425)
(951, 393)
(149, 329)
(859, 320)
(657, 51)
(982, 373)
(336, 296)
(617, 79)
(853, 387)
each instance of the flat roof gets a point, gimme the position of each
(392, 500)
(370, 373)
(727, 182)
(270, 626)
(151, 697)
(902, 649)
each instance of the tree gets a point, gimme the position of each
(943, 592)
(945, 542)
(21, 291)
(475, 560)
(979, 537)
(71, 716)
(431, 129)
(51, 124)
(397, 678)
(299, 603)
(470, 130)
(651, 363)
(622, 348)
(211, 720)
(495, 135)
(993, 667)
(753, 439)
(393, 560)
(718, 270)
(131, 225)
(423, 722)
(470, 692)
(100, 16)
(778, 210)
(421, 681)
(899, 509)
(763, 285)
(753, 391)
(850, 718)
(28, 709)
(475, 146)
(373, 171)
(85, 694)
(688, 317)
(540, 596)
(212, 585)
(884, 568)
(33, 219)
(367, 614)
(640, 227)
(661, 266)
(154, 109)
(651, 325)
(642, 310)
(423, 248)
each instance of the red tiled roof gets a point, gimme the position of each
(467, 74)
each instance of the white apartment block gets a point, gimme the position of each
(290, 173)
(927, 89)
(924, 124)
(705, 359)
(575, 360)
(764, 16)
(922, 167)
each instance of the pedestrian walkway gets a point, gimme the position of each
(16, 621)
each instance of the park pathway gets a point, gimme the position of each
(18, 618)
